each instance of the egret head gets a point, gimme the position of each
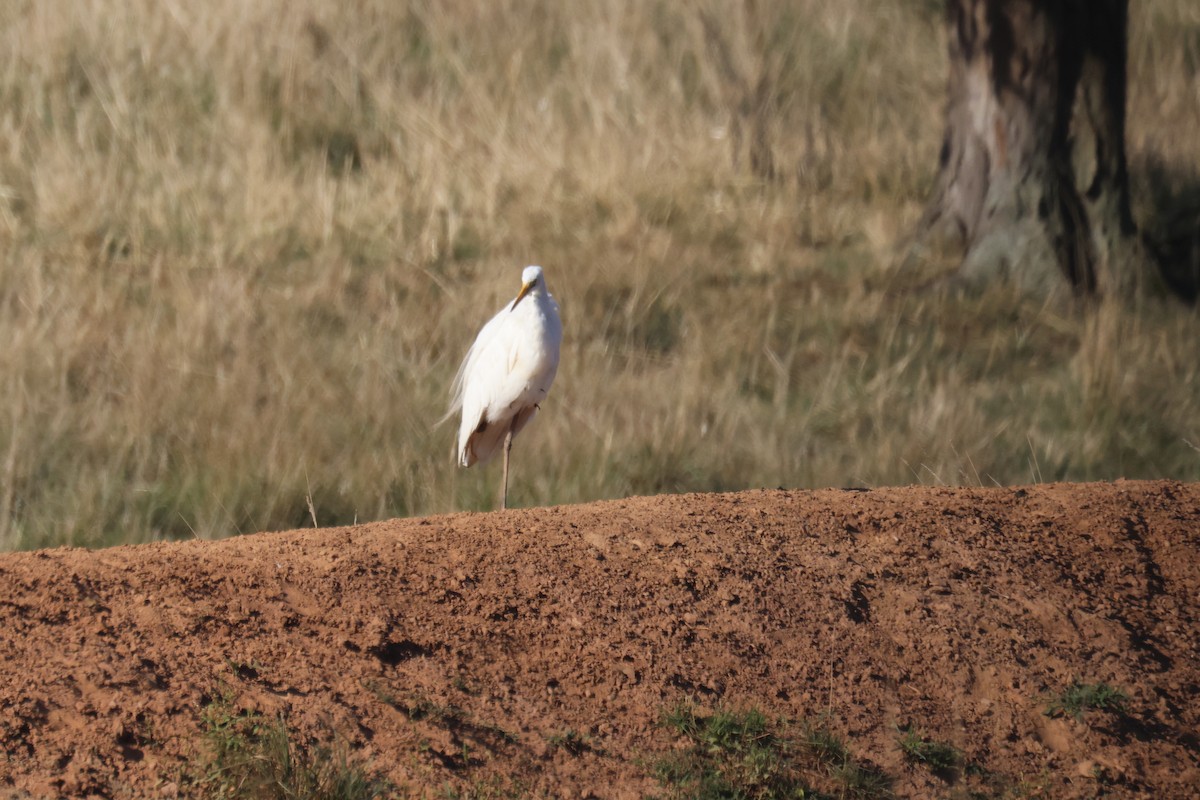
(531, 275)
(531, 279)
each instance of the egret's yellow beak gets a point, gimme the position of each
(521, 294)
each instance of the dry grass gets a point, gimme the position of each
(245, 245)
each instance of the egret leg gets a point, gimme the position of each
(508, 437)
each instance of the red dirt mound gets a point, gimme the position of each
(463, 650)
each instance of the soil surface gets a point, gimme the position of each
(534, 652)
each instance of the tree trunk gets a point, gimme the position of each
(1033, 183)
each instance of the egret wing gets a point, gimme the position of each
(487, 391)
(469, 363)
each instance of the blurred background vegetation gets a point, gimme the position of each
(246, 244)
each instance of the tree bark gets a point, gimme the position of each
(1032, 183)
(1098, 136)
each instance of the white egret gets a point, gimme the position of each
(507, 374)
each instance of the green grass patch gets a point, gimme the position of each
(936, 756)
(250, 756)
(1080, 698)
(746, 755)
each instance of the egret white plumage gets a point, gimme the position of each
(507, 374)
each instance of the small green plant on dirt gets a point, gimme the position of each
(938, 757)
(730, 754)
(1082, 697)
(745, 755)
(252, 757)
(822, 744)
(826, 749)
